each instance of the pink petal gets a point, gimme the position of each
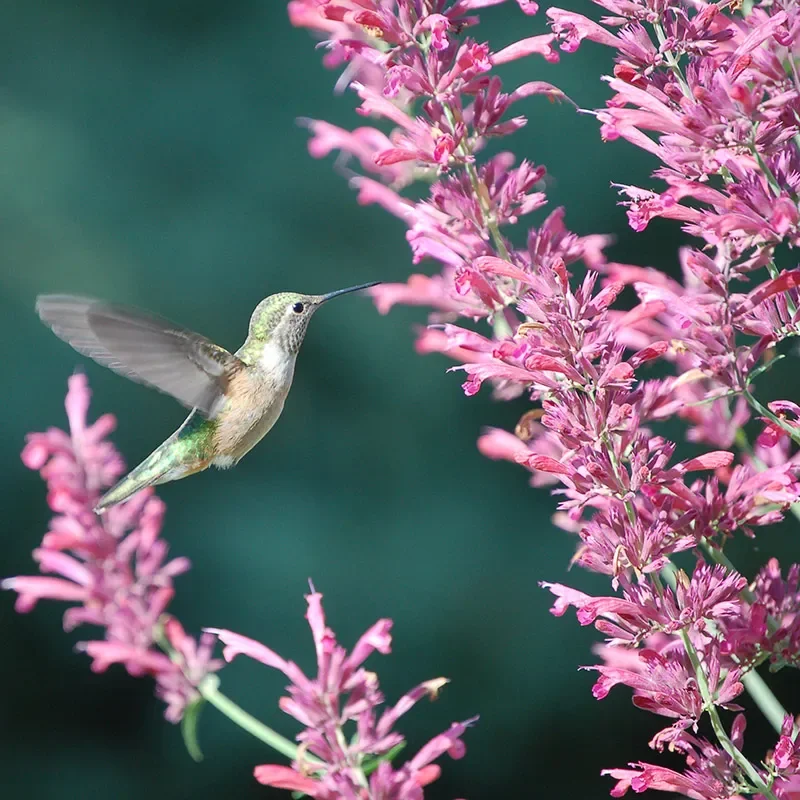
(370, 191)
(35, 454)
(547, 464)
(104, 654)
(33, 588)
(499, 444)
(236, 644)
(285, 778)
(395, 155)
(77, 402)
(713, 460)
(376, 638)
(576, 27)
(552, 364)
(537, 87)
(784, 282)
(498, 266)
(427, 775)
(495, 369)
(540, 45)
(407, 702)
(648, 353)
(448, 742)
(67, 566)
(566, 597)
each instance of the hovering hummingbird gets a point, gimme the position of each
(235, 399)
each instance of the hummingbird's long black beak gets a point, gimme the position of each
(326, 297)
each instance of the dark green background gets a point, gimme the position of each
(149, 154)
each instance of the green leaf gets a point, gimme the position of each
(370, 765)
(189, 722)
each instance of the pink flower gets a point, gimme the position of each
(575, 27)
(343, 694)
(114, 566)
(768, 626)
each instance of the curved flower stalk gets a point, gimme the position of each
(114, 568)
(333, 762)
(720, 91)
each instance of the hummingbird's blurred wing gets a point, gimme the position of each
(143, 347)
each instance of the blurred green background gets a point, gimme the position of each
(149, 154)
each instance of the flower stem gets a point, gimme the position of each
(754, 684)
(765, 412)
(672, 62)
(765, 170)
(716, 723)
(762, 695)
(500, 324)
(209, 689)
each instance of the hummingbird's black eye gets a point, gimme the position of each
(298, 308)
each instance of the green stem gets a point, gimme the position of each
(672, 62)
(491, 222)
(765, 412)
(766, 171)
(479, 189)
(754, 684)
(716, 723)
(500, 324)
(612, 457)
(763, 697)
(209, 690)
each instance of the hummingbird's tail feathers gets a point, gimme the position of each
(155, 469)
(120, 492)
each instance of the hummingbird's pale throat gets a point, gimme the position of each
(235, 398)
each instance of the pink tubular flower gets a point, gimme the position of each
(114, 566)
(334, 764)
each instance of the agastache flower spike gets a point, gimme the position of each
(113, 566)
(715, 97)
(343, 694)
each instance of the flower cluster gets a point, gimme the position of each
(113, 566)
(333, 763)
(714, 94)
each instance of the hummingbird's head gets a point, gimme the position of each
(283, 318)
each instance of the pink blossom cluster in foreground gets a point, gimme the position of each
(714, 94)
(114, 566)
(334, 763)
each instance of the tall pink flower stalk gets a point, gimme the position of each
(714, 94)
(113, 567)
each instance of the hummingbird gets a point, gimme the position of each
(235, 398)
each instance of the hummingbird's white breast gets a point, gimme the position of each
(254, 403)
